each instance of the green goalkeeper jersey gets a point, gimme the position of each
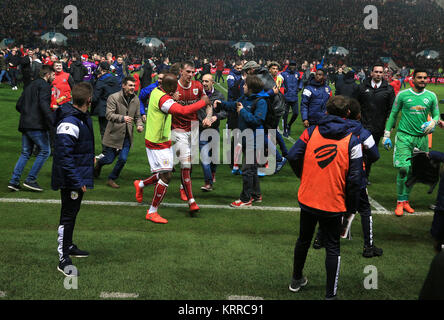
(414, 108)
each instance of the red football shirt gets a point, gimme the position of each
(187, 96)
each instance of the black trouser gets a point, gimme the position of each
(219, 76)
(294, 116)
(13, 73)
(71, 200)
(250, 182)
(330, 225)
(365, 211)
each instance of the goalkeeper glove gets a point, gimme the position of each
(428, 127)
(386, 140)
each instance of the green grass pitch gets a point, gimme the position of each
(218, 254)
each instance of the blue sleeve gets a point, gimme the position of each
(305, 101)
(143, 96)
(354, 176)
(437, 156)
(321, 65)
(229, 106)
(230, 81)
(64, 148)
(257, 118)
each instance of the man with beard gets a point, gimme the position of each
(415, 105)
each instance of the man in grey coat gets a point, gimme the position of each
(122, 113)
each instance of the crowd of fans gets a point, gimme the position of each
(302, 29)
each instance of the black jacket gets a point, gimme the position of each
(78, 71)
(146, 79)
(105, 86)
(348, 87)
(33, 106)
(376, 105)
(206, 69)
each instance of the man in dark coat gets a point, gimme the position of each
(376, 97)
(35, 121)
(78, 70)
(348, 87)
(107, 84)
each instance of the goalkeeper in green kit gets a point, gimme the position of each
(415, 104)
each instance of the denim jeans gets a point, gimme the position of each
(4, 73)
(110, 154)
(29, 139)
(208, 167)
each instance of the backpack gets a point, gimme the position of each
(275, 104)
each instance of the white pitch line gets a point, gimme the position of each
(220, 86)
(378, 206)
(118, 295)
(288, 138)
(184, 205)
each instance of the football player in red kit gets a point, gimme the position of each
(188, 92)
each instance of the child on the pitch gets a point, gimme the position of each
(252, 111)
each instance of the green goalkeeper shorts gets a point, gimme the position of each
(404, 145)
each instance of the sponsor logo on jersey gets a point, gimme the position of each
(418, 108)
(326, 154)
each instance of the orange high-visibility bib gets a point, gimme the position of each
(326, 164)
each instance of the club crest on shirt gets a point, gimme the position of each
(195, 91)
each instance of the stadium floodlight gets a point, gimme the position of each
(54, 39)
(150, 44)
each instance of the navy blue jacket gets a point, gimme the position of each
(234, 81)
(314, 101)
(439, 156)
(73, 162)
(119, 71)
(292, 84)
(332, 127)
(369, 147)
(105, 86)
